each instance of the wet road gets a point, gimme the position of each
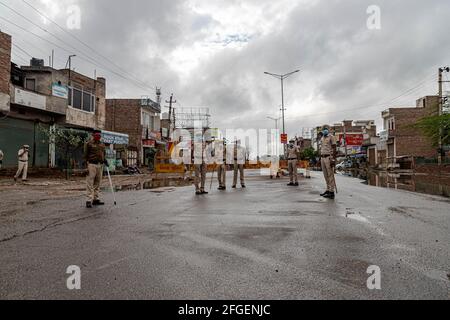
(266, 242)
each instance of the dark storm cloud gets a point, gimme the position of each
(345, 66)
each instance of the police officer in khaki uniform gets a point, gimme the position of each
(239, 162)
(23, 155)
(94, 155)
(198, 156)
(328, 153)
(222, 170)
(293, 151)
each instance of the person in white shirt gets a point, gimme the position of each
(23, 163)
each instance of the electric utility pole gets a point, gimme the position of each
(171, 102)
(441, 105)
(69, 62)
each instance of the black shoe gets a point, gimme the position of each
(205, 192)
(89, 204)
(330, 195)
(198, 193)
(243, 186)
(98, 203)
(291, 184)
(234, 187)
(325, 193)
(296, 184)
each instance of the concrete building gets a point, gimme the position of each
(38, 98)
(400, 139)
(140, 119)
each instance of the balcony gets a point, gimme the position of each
(37, 101)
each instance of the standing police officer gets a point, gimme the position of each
(200, 166)
(293, 151)
(328, 153)
(239, 162)
(94, 155)
(222, 170)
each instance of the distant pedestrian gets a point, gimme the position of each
(94, 155)
(1, 159)
(239, 162)
(328, 153)
(293, 151)
(23, 156)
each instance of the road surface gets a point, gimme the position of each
(269, 241)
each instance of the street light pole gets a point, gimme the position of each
(441, 104)
(282, 77)
(276, 121)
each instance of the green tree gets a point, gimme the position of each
(308, 154)
(431, 126)
(68, 141)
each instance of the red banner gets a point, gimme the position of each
(352, 139)
(284, 138)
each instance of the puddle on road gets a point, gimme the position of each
(152, 184)
(408, 182)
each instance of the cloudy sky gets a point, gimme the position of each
(214, 53)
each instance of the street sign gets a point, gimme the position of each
(284, 138)
(446, 104)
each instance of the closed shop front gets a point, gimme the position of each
(14, 133)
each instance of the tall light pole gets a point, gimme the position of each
(277, 136)
(282, 77)
(276, 121)
(441, 104)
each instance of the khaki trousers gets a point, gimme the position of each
(200, 177)
(293, 171)
(328, 173)
(222, 175)
(23, 169)
(93, 181)
(238, 168)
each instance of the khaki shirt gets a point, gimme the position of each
(23, 155)
(94, 152)
(327, 145)
(239, 154)
(293, 152)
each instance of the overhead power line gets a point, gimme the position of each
(82, 42)
(83, 55)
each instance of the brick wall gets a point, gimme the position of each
(5, 70)
(124, 116)
(409, 140)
